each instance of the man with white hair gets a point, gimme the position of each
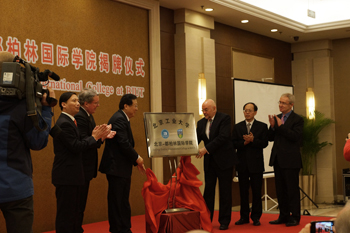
(214, 129)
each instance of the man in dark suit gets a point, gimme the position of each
(219, 157)
(250, 138)
(286, 130)
(118, 159)
(89, 101)
(67, 171)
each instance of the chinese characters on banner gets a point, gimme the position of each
(79, 59)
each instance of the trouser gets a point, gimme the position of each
(213, 174)
(288, 193)
(254, 180)
(67, 208)
(18, 215)
(119, 210)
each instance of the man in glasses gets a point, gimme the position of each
(249, 137)
(286, 130)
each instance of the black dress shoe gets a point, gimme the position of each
(292, 223)
(241, 221)
(223, 227)
(256, 223)
(278, 221)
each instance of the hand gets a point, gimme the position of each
(52, 95)
(279, 121)
(111, 133)
(100, 131)
(272, 121)
(142, 169)
(140, 165)
(306, 229)
(201, 153)
(248, 138)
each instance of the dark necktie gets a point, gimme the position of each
(210, 123)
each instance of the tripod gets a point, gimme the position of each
(306, 212)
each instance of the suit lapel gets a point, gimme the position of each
(131, 137)
(68, 119)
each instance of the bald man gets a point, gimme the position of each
(214, 129)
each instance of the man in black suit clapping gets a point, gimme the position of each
(250, 138)
(67, 172)
(89, 102)
(286, 130)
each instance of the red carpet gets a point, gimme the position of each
(138, 225)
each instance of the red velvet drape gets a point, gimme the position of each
(187, 195)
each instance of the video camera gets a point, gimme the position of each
(21, 80)
(14, 80)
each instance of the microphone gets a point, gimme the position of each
(43, 76)
(54, 76)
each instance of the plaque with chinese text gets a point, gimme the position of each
(170, 134)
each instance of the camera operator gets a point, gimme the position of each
(17, 136)
(341, 223)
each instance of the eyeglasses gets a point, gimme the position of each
(205, 110)
(283, 103)
(248, 110)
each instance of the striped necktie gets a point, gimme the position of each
(283, 118)
(248, 127)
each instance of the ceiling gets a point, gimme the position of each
(330, 21)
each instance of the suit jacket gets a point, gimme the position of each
(250, 156)
(119, 154)
(86, 125)
(287, 142)
(68, 166)
(219, 143)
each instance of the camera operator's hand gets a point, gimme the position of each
(52, 95)
(306, 229)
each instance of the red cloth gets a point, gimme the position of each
(346, 151)
(188, 195)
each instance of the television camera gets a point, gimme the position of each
(21, 80)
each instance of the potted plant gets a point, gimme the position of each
(311, 146)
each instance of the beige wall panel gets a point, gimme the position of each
(102, 26)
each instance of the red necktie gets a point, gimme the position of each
(75, 122)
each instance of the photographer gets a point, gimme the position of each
(341, 223)
(17, 136)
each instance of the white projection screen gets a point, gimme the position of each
(265, 96)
